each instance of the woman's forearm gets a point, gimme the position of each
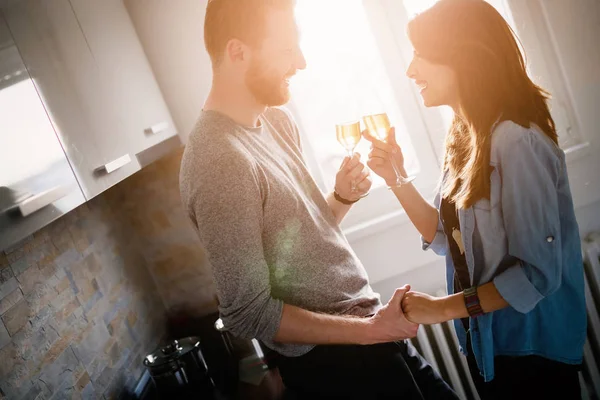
(422, 214)
(490, 300)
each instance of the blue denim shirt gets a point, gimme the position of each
(526, 240)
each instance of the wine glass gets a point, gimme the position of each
(378, 126)
(349, 134)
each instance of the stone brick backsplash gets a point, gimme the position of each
(85, 298)
(170, 246)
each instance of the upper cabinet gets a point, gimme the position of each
(91, 72)
(136, 100)
(37, 184)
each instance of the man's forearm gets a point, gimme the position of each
(300, 326)
(338, 209)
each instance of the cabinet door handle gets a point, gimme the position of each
(41, 200)
(157, 128)
(115, 164)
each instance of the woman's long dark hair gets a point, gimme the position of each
(473, 39)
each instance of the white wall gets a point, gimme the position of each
(573, 57)
(171, 32)
(575, 32)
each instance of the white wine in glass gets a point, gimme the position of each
(378, 126)
(349, 135)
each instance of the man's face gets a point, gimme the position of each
(276, 60)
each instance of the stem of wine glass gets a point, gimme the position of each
(400, 180)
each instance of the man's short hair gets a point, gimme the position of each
(241, 19)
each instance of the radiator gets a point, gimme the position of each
(438, 344)
(591, 355)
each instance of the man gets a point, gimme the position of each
(285, 274)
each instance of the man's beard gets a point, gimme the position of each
(266, 88)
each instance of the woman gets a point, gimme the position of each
(504, 215)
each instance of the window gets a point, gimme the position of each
(354, 69)
(345, 79)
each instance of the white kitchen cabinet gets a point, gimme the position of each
(92, 74)
(37, 184)
(136, 100)
(63, 70)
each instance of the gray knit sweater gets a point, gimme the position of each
(268, 231)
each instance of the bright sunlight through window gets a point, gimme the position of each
(345, 79)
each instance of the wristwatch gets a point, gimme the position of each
(472, 302)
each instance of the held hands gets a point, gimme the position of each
(422, 308)
(390, 324)
(352, 172)
(383, 154)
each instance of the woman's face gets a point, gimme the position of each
(437, 83)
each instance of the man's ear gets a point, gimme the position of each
(236, 50)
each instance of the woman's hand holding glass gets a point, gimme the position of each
(386, 158)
